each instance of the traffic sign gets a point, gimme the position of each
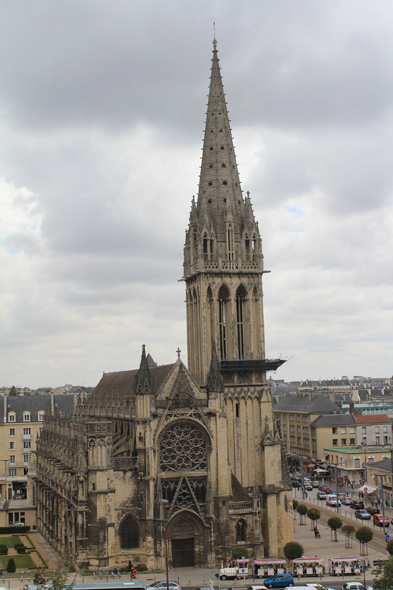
(387, 537)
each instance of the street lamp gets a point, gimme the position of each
(166, 502)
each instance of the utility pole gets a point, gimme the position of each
(302, 468)
(383, 504)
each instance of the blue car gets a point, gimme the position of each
(279, 581)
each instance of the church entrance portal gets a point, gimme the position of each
(183, 552)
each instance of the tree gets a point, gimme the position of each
(334, 523)
(314, 515)
(293, 550)
(11, 567)
(389, 547)
(302, 509)
(239, 552)
(295, 504)
(13, 391)
(383, 574)
(348, 530)
(364, 535)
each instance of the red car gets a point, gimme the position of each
(327, 490)
(378, 520)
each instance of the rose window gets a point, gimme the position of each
(183, 448)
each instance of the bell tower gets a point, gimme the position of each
(223, 261)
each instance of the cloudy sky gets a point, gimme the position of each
(102, 116)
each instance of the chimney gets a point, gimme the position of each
(352, 408)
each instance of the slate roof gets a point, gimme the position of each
(302, 403)
(120, 384)
(334, 420)
(238, 492)
(385, 465)
(36, 403)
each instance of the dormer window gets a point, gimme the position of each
(41, 416)
(26, 416)
(11, 417)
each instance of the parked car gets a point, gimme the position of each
(17, 524)
(315, 483)
(308, 487)
(346, 501)
(321, 495)
(279, 581)
(163, 584)
(333, 501)
(362, 514)
(372, 510)
(378, 520)
(327, 490)
(355, 586)
(296, 484)
(357, 504)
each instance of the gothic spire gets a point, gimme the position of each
(219, 184)
(143, 380)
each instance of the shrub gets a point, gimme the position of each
(313, 514)
(11, 567)
(239, 552)
(129, 568)
(302, 509)
(21, 550)
(389, 547)
(295, 504)
(293, 550)
(3, 549)
(141, 567)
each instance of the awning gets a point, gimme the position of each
(308, 560)
(319, 470)
(267, 561)
(338, 559)
(367, 489)
(311, 465)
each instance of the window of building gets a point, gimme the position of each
(292, 428)
(12, 472)
(385, 428)
(299, 440)
(25, 458)
(377, 440)
(27, 432)
(298, 418)
(240, 302)
(377, 430)
(352, 441)
(41, 416)
(207, 248)
(241, 529)
(335, 442)
(223, 297)
(306, 429)
(237, 409)
(291, 418)
(12, 445)
(343, 430)
(284, 427)
(385, 440)
(306, 442)
(12, 431)
(27, 444)
(26, 416)
(351, 430)
(364, 431)
(305, 419)
(25, 471)
(12, 459)
(129, 533)
(334, 430)
(230, 242)
(314, 442)
(40, 431)
(299, 429)
(341, 461)
(343, 441)
(364, 440)
(356, 462)
(370, 459)
(11, 417)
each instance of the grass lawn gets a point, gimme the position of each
(10, 541)
(21, 561)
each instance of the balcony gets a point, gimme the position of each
(228, 366)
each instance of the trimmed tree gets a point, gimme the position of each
(295, 504)
(389, 547)
(239, 552)
(11, 567)
(293, 550)
(313, 514)
(364, 535)
(334, 523)
(302, 509)
(348, 530)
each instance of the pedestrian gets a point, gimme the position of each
(359, 495)
(372, 503)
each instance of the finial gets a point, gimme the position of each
(178, 353)
(143, 350)
(214, 40)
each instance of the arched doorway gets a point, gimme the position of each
(187, 540)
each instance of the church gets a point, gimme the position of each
(192, 452)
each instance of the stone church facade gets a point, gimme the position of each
(197, 450)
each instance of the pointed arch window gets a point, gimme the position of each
(207, 248)
(240, 301)
(223, 297)
(241, 531)
(230, 242)
(254, 246)
(247, 247)
(129, 534)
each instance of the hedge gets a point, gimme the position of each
(11, 530)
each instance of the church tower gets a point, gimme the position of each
(223, 261)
